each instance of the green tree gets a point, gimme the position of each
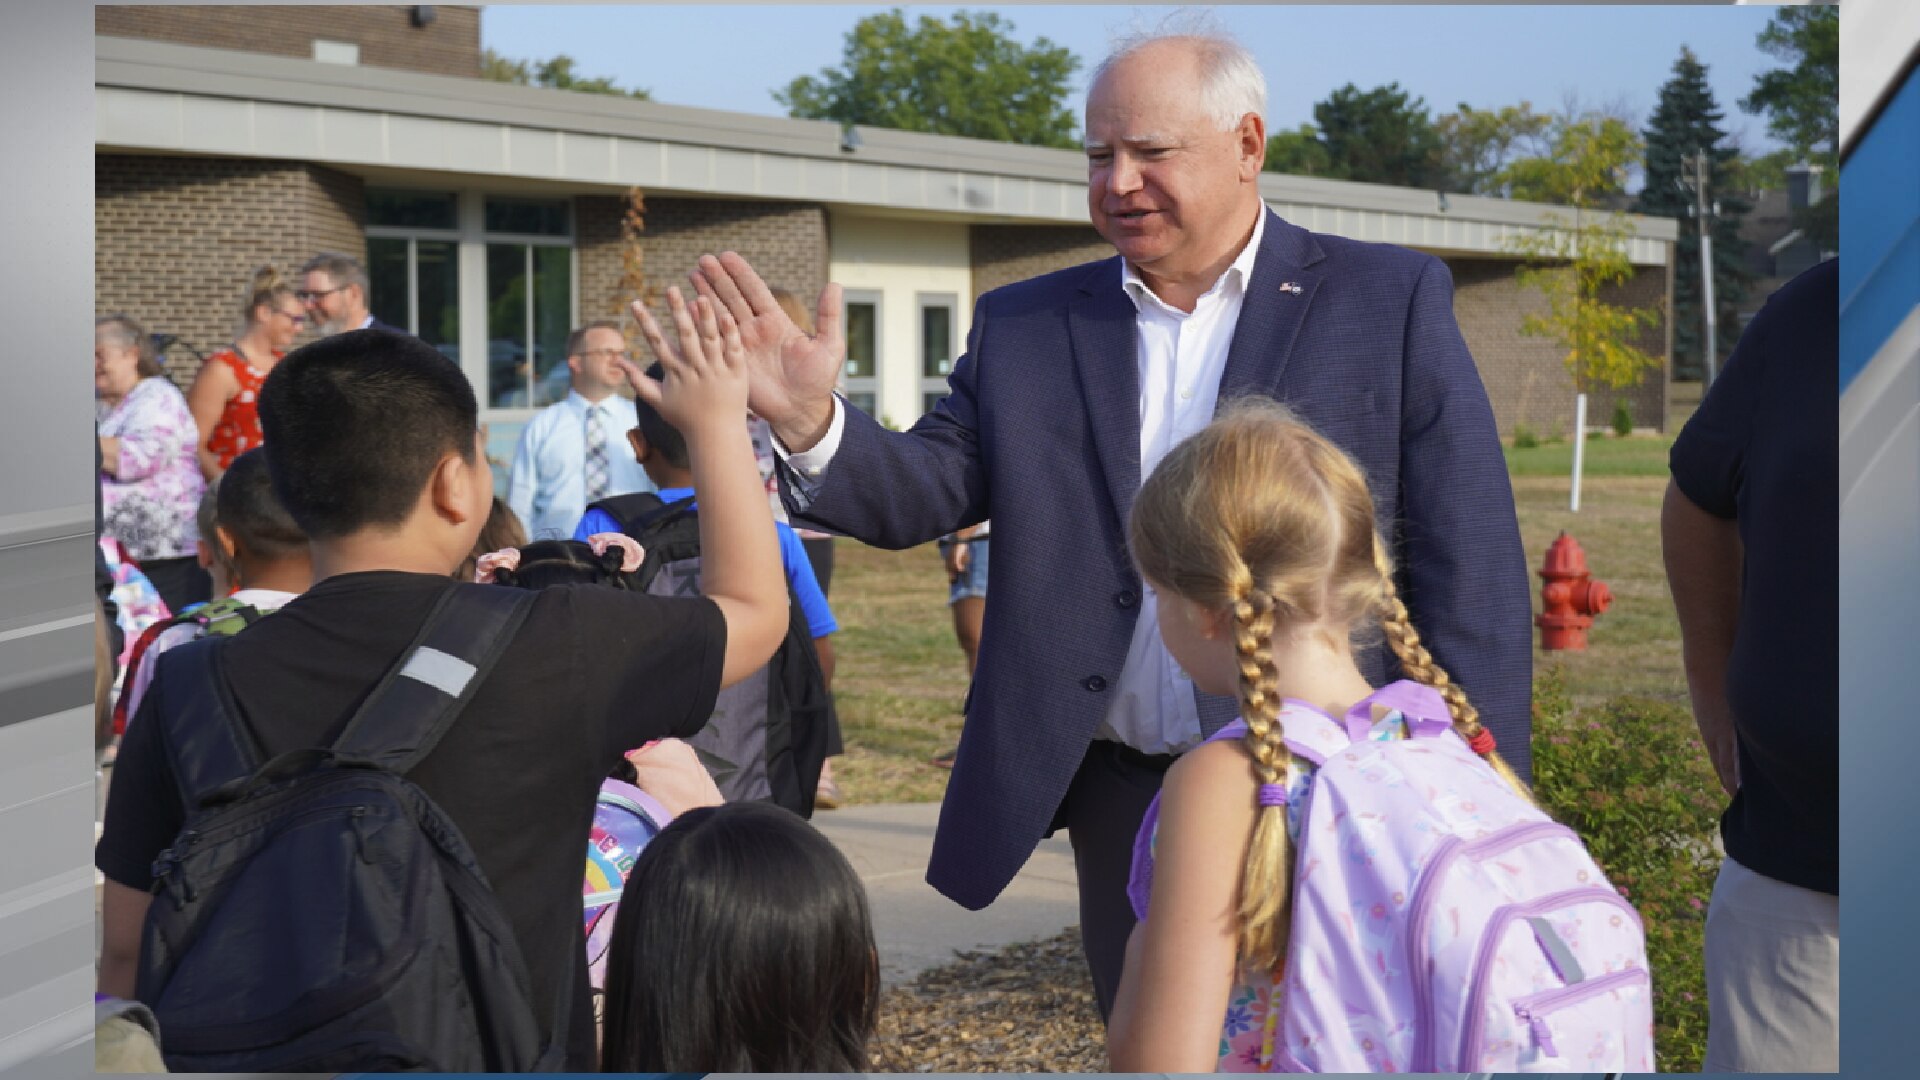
(964, 77)
(1476, 144)
(1574, 260)
(1298, 152)
(1802, 100)
(554, 74)
(1380, 135)
(1802, 103)
(1686, 120)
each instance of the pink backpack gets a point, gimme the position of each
(1441, 923)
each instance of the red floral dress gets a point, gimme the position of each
(239, 428)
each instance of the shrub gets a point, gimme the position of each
(1622, 418)
(1631, 778)
(1524, 438)
(1557, 433)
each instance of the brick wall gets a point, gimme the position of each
(1004, 254)
(449, 45)
(176, 238)
(1525, 377)
(785, 242)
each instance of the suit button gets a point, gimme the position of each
(1126, 598)
(1095, 683)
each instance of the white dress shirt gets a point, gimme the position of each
(1181, 357)
(547, 486)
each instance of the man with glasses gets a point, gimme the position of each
(334, 290)
(574, 452)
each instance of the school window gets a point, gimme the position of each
(938, 345)
(529, 261)
(413, 265)
(861, 376)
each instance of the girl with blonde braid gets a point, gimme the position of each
(1259, 536)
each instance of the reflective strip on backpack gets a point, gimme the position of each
(442, 671)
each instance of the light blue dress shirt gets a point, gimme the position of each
(547, 486)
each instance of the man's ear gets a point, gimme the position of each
(451, 487)
(573, 366)
(641, 447)
(1250, 140)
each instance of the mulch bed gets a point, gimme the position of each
(1025, 1008)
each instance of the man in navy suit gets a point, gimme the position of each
(1074, 385)
(334, 289)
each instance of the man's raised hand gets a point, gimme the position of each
(793, 374)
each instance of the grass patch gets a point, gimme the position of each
(1634, 455)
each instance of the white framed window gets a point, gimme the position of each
(530, 300)
(938, 326)
(860, 380)
(413, 264)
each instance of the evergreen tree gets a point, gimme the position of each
(1686, 120)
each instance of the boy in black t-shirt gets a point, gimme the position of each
(378, 456)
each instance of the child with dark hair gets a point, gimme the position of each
(743, 944)
(258, 559)
(377, 454)
(738, 734)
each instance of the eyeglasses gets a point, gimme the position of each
(298, 317)
(617, 354)
(307, 296)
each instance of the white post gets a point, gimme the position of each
(1579, 446)
(1710, 346)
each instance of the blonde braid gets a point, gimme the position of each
(1266, 886)
(1419, 666)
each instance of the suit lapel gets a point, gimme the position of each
(1100, 321)
(1279, 293)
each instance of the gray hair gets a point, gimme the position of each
(1231, 83)
(343, 269)
(123, 331)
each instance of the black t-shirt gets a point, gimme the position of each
(1763, 449)
(593, 672)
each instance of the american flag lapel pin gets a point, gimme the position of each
(1291, 287)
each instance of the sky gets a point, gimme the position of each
(733, 56)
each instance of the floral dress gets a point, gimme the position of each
(149, 502)
(1253, 1008)
(239, 428)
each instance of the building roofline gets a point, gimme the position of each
(208, 73)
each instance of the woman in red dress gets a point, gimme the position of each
(224, 397)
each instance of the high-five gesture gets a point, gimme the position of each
(704, 381)
(793, 373)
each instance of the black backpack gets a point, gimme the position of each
(318, 913)
(779, 761)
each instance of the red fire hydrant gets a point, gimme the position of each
(1570, 598)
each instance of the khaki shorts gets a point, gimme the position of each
(1773, 976)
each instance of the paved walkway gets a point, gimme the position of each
(915, 927)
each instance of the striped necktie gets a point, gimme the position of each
(598, 471)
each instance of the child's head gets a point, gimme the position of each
(256, 536)
(1261, 518)
(377, 433)
(743, 944)
(657, 445)
(502, 530)
(566, 562)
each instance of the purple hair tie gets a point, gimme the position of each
(1273, 795)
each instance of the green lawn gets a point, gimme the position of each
(1607, 455)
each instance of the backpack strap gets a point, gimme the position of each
(630, 510)
(225, 617)
(207, 744)
(418, 699)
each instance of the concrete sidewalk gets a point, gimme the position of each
(915, 927)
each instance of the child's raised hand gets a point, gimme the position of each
(705, 381)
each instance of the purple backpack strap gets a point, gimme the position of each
(1424, 709)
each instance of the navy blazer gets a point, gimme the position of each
(1040, 432)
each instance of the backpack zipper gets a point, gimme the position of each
(1418, 919)
(1535, 1008)
(1471, 1043)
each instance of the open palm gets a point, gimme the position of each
(793, 374)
